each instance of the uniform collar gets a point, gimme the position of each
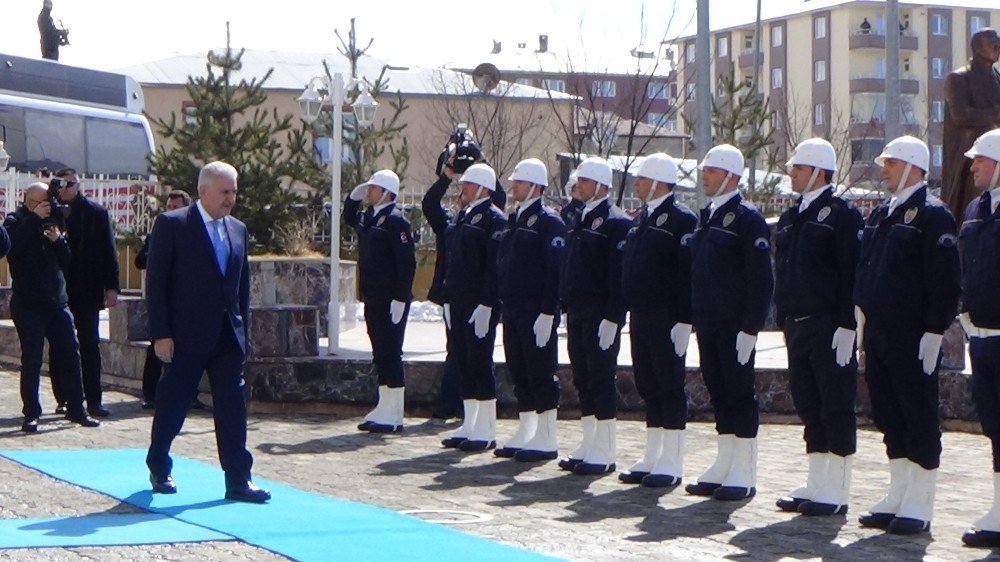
(719, 200)
(812, 196)
(527, 203)
(994, 199)
(378, 208)
(478, 202)
(655, 204)
(903, 196)
(591, 205)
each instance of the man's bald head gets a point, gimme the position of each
(35, 191)
(986, 44)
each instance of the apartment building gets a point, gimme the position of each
(823, 68)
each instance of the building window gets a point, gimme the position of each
(937, 154)
(662, 120)
(976, 23)
(690, 91)
(819, 27)
(866, 150)
(525, 81)
(776, 123)
(939, 67)
(689, 52)
(673, 90)
(603, 89)
(656, 90)
(554, 85)
(819, 111)
(777, 36)
(190, 112)
(819, 71)
(939, 24)
(777, 78)
(937, 111)
(722, 48)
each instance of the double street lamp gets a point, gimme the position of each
(311, 103)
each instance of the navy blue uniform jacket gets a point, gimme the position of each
(592, 266)
(980, 245)
(188, 298)
(386, 261)
(530, 257)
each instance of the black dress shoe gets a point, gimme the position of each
(374, 427)
(163, 484)
(820, 509)
(876, 520)
(98, 411)
(148, 405)
(363, 426)
(981, 539)
(908, 526)
(249, 493)
(61, 409)
(591, 469)
(569, 463)
(734, 493)
(29, 425)
(506, 452)
(476, 445)
(790, 504)
(702, 488)
(632, 476)
(531, 455)
(452, 442)
(660, 481)
(83, 420)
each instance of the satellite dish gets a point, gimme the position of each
(486, 77)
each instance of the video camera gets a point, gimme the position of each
(63, 34)
(461, 150)
(60, 211)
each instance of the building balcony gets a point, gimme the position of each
(746, 59)
(875, 128)
(877, 41)
(908, 85)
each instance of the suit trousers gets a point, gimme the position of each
(224, 366)
(730, 385)
(87, 322)
(824, 393)
(33, 328)
(659, 372)
(532, 368)
(387, 342)
(473, 355)
(594, 369)
(985, 355)
(904, 399)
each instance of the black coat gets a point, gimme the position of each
(93, 266)
(36, 265)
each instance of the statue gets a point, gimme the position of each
(972, 107)
(52, 37)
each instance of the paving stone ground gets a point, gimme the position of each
(537, 507)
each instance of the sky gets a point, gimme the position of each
(112, 34)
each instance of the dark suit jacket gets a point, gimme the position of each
(93, 266)
(188, 298)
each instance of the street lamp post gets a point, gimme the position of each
(311, 103)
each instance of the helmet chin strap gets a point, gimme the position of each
(476, 198)
(652, 189)
(594, 198)
(385, 195)
(812, 181)
(723, 184)
(903, 178)
(996, 176)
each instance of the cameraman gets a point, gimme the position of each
(38, 257)
(91, 278)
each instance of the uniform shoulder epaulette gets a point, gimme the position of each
(748, 205)
(684, 208)
(933, 201)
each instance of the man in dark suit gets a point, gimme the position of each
(198, 295)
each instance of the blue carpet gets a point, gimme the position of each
(300, 525)
(101, 530)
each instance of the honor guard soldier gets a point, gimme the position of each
(731, 286)
(571, 210)
(386, 265)
(816, 254)
(906, 293)
(530, 256)
(980, 247)
(595, 312)
(656, 286)
(470, 280)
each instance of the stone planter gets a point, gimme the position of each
(304, 281)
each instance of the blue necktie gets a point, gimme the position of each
(218, 241)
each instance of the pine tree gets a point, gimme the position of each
(229, 124)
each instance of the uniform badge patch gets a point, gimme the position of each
(823, 213)
(728, 219)
(597, 223)
(380, 221)
(761, 244)
(660, 220)
(532, 220)
(558, 242)
(403, 238)
(910, 215)
(475, 219)
(947, 241)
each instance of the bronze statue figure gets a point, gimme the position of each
(53, 37)
(972, 107)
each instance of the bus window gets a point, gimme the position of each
(117, 148)
(53, 140)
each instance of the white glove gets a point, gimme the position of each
(606, 333)
(680, 334)
(396, 309)
(843, 344)
(358, 193)
(930, 347)
(744, 347)
(480, 320)
(967, 324)
(859, 318)
(543, 329)
(446, 312)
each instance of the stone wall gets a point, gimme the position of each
(304, 281)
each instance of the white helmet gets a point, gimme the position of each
(726, 157)
(658, 167)
(481, 175)
(531, 170)
(595, 168)
(987, 146)
(908, 149)
(817, 153)
(387, 180)
(570, 183)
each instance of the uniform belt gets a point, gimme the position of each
(976, 332)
